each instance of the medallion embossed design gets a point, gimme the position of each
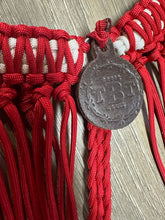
(110, 90)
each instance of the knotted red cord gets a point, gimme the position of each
(25, 158)
(21, 140)
(62, 93)
(18, 126)
(10, 109)
(43, 105)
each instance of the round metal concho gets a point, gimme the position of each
(110, 96)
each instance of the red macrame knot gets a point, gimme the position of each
(22, 30)
(6, 95)
(13, 78)
(57, 77)
(131, 56)
(159, 37)
(144, 3)
(62, 91)
(136, 10)
(26, 98)
(35, 79)
(60, 77)
(82, 44)
(156, 53)
(134, 13)
(100, 34)
(56, 34)
(163, 52)
(5, 29)
(140, 62)
(43, 32)
(114, 33)
(123, 21)
(44, 91)
(72, 79)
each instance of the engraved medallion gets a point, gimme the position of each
(110, 90)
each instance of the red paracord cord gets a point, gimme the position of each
(26, 99)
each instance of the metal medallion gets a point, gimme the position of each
(110, 90)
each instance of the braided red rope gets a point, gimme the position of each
(99, 173)
(34, 194)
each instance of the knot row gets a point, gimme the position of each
(30, 95)
(32, 32)
(38, 79)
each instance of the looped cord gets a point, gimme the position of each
(43, 91)
(6, 96)
(27, 178)
(62, 93)
(156, 53)
(43, 105)
(100, 35)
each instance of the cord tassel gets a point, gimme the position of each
(62, 93)
(44, 106)
(24, 154)
(151, 94)
(38, 143)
